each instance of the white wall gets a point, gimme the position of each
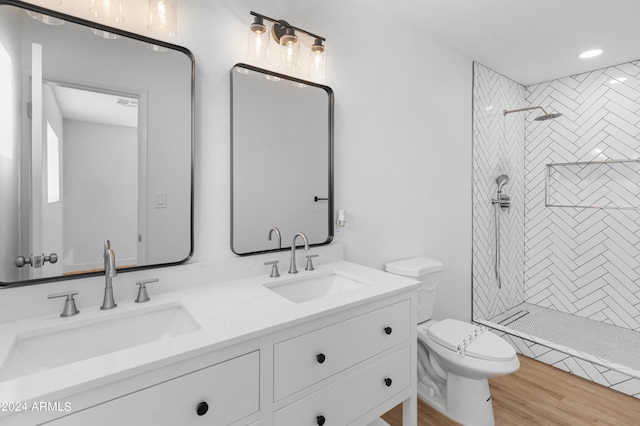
(585, 261)
(91, 152)
(498, 149)
(402, 136)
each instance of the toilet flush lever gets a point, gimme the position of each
(143, 296)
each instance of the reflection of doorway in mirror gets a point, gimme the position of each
(101, 176)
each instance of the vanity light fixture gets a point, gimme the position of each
(163, 17)
(318, 60)
(107, 10)
(287, 37)
(590, 53)
(258, 48)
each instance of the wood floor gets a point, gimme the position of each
(539, 394)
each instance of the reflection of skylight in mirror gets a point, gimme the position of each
(6, 100)
(53, 165)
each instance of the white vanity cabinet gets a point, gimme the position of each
(343, 360)
(222, 394)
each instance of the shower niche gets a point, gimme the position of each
(613, 184)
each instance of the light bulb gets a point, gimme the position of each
(258, 47)
(318, 61)
(289, 51)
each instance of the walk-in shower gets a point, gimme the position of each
(566, 290)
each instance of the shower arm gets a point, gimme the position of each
(505, 112)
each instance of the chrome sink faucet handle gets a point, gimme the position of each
(70, 308)
(110, 271)
(143, 296)
(309, 266)
(278, 236)
(292, 267)
(274, 268)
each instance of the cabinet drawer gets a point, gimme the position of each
(304, 360)
(382, 329)
(348, 399)
(230, 390)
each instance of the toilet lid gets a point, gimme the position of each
(450, 333)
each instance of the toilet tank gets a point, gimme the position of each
(428, 272)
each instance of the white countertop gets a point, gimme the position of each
(228, 313)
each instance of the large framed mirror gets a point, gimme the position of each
(96, 144)
(281, 161)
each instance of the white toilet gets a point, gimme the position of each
(455, 358)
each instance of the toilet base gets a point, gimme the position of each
(468, 401)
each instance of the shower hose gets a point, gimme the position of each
(497, 262)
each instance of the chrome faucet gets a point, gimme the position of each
(278, 237)
(292, 267)
(109, 272)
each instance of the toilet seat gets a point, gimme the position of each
(451, 333)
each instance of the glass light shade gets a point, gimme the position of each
(289, 51)
(107, 10)
(318, 61)
(163, 17)
(258, 47)
(105, 34)
(45, 19)
(49, 2)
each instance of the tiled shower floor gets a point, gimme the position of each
(606, 342)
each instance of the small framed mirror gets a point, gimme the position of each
(281, 161)
(96, 144)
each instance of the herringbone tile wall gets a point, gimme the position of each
(498, 148)
(585, 261)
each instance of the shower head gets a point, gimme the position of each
(502, 180)
(545, 116)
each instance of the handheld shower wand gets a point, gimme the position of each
(501, 180)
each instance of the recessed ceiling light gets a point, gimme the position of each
(590, 53)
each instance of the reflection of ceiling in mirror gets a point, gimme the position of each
(96, 107)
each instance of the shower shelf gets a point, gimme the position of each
(611, 184)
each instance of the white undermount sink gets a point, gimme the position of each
(303, 289)
(42, 349)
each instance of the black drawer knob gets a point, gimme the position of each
(388, 381)
(202, 408)
(321, 358)
(320, 420)
(388, 330)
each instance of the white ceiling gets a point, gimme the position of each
(96, 107)
(529, 41)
